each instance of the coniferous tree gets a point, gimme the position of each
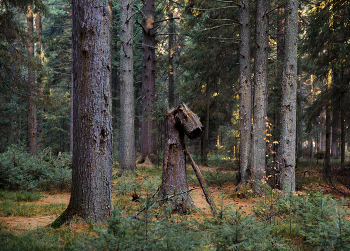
(260, 93)
(127, 111)
(92, 148)
(32, 118)
(148, 139)
(287, 150)
(245, 90)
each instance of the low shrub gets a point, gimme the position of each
(20, 171)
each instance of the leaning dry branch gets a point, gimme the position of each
(204, 185)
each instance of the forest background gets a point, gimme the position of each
(197, 62)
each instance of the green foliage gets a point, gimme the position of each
(317, 219)
(219, 178)
(19, 170)
(132, 181)
(20, 196)
(236, 231)
(125, 233)
(38, 240)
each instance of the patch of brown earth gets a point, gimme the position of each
(21, 224)
(18, 223)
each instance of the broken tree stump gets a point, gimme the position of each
(174, 179)
(178, 122)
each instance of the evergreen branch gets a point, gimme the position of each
(167, 34)
(178, 4)
(215, 27)
(167, 19)
(218, 8)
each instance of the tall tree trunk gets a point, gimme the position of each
(32, 122)
(127, 111)
(245, 89)
(204, 157)
(260, 93)
(335, 131)
(171, 56)
(327, 162)
(148, 137)
(342, 133)
(38, 27)
(92, 132)
(289, 100)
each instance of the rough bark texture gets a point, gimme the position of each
(32, 121)
(260, 93)
(148, 137)
(92, 148)
(289, 102)
(189, 121)
(245, 89)
(174, 179)
(127, 111)
(171, 56)
(327, 161)
(178, 122)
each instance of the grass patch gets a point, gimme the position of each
(20, 196)
(10, 208)
(219, 178)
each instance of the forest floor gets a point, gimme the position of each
(221, 182)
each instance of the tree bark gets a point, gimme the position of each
(245, 90)
(289, 100)
(92, 148)
(32, 121)
(260, 93)
(174, 179)
(127, 111)
(148, 139)
(171, 56)
(327, 161)
(335, 129)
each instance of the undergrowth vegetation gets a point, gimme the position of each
(44, 172)
(305, 220)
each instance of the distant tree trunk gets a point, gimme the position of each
(148, 137)
(92, 132)
(32, 122)
(127, 111)
(38, 27)
(260, 93)
(335, 129)
(289, 100)
(342, 133)
(245, 90)
(205, 138)
(171, 56)
(327, 161)
(174, 179)
(71, 114)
